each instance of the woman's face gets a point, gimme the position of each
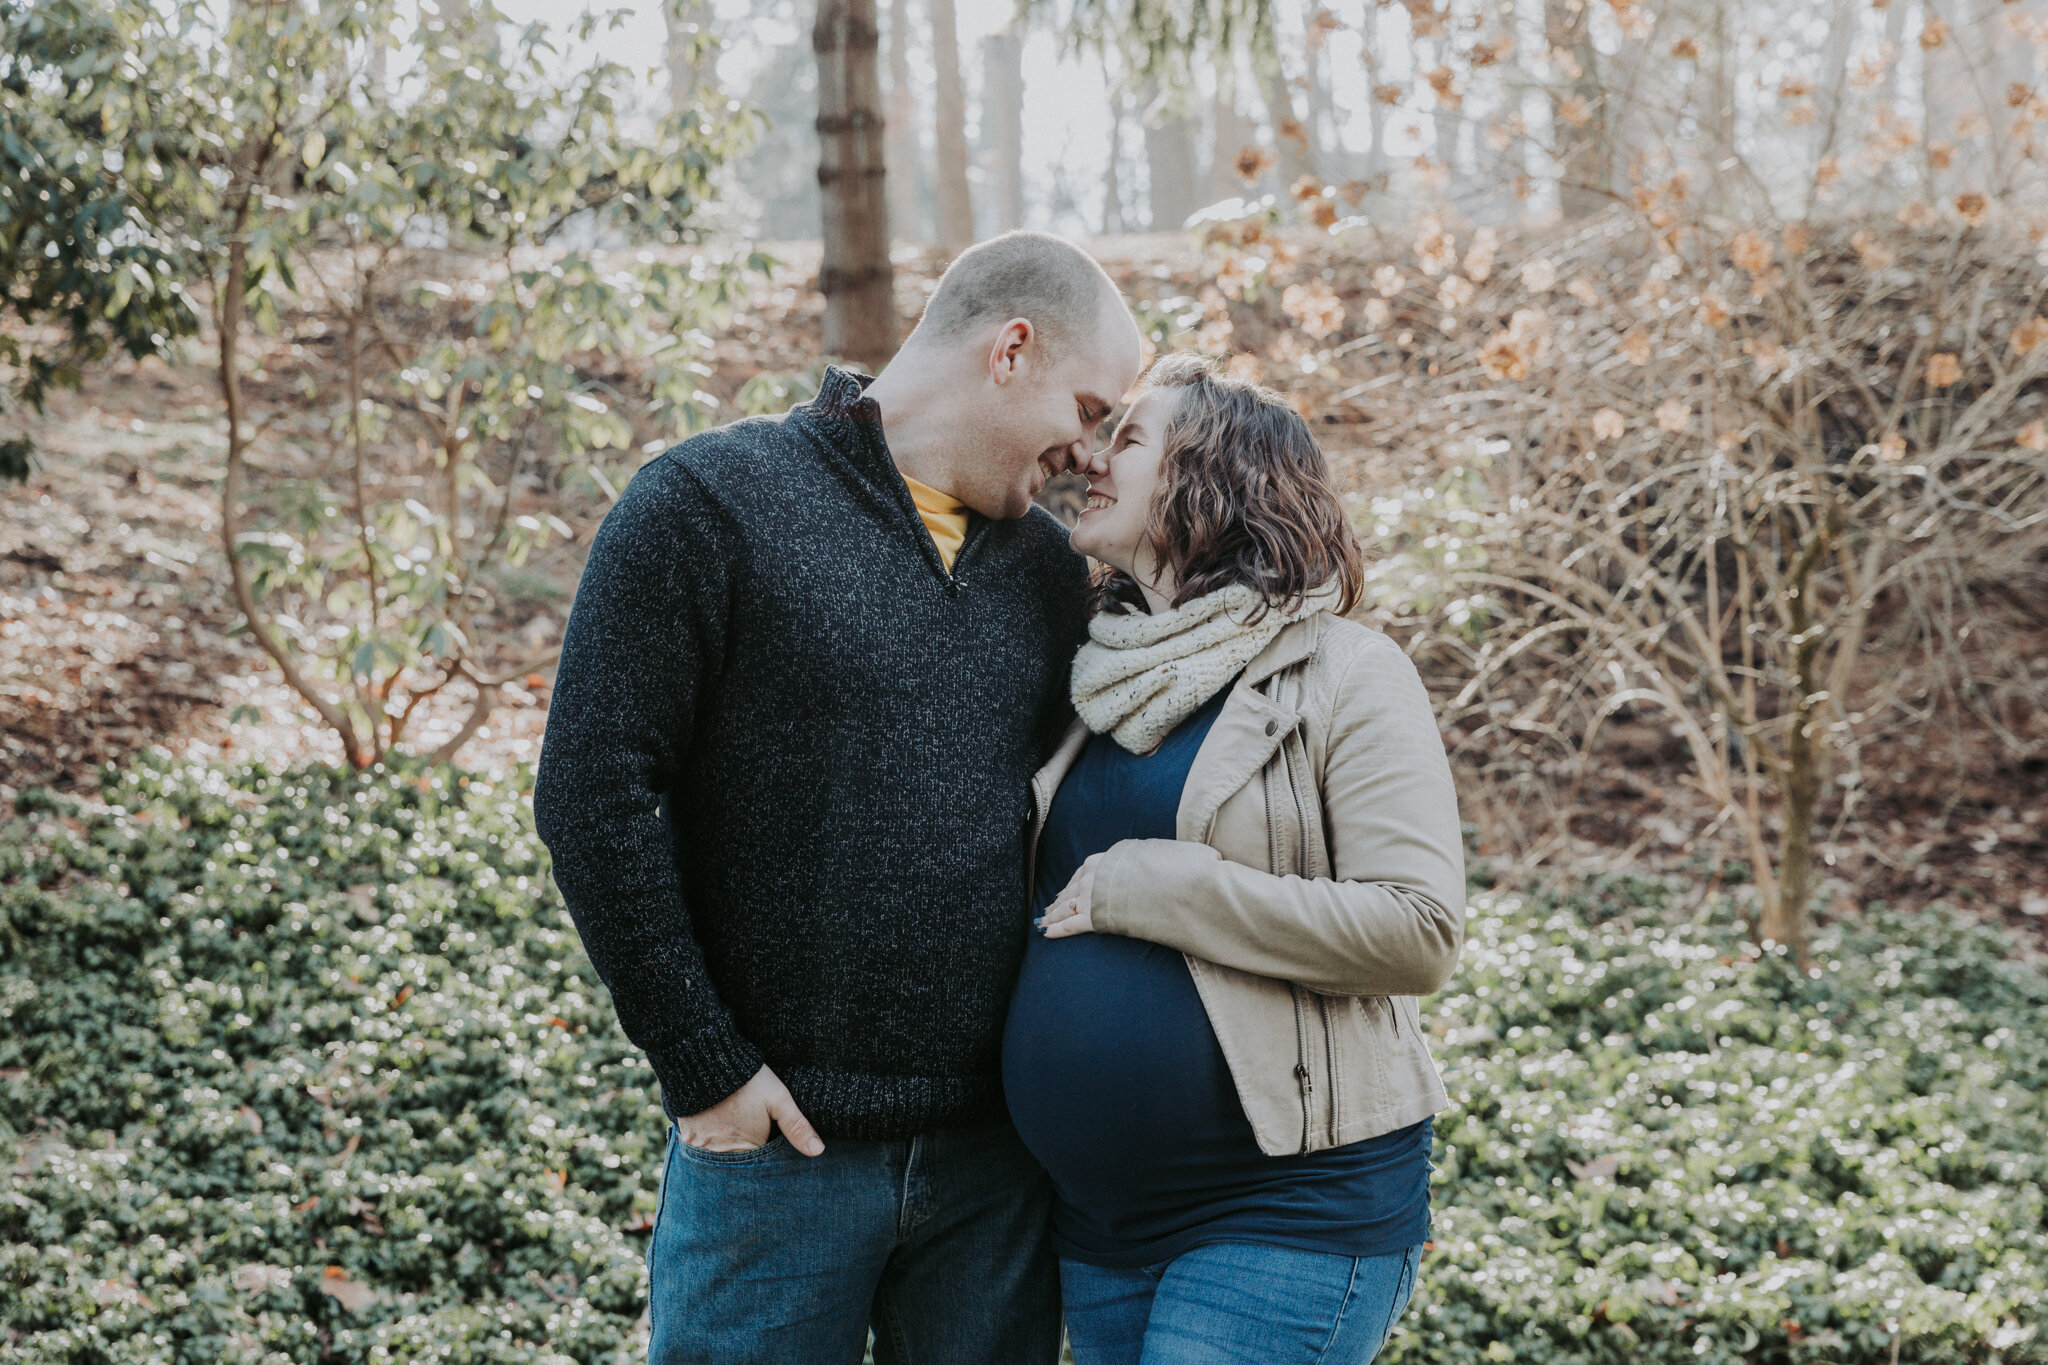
(1120, 491)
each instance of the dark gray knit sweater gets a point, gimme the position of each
(786, 771)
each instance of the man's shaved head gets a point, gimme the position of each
(1034, 275)
(1025, 347)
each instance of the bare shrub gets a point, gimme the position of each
(1753, 481)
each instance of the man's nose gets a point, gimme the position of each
(1090, 462)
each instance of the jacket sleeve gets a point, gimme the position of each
(1392, 918)
(648, 622)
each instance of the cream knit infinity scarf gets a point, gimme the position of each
(1140, 675)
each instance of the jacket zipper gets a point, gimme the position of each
(1302, 1076)
(975, 529)
(1304, 1083)
(1301, 1068)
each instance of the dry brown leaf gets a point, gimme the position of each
(1874, 254)
(1892, 448)
(1637, 347)
(1479, 260)
(1608, 425)
(1674, 414)
(1933, 33)
(1514, 351)
(1750, 252)
(2029, 334)
(353, 1295)
(1435, 250)
(257, 1278)
(1443, 81)
(1582, 289)
(1713, 310)
(1973, 207)
(1315, 306)
(1389, 280)
(1943, 369)
(1539, 276)
(2034, 435)
(1770, 357)
(1600, 1168)
(1253, 161)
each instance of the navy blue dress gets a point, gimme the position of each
(1116, 1082)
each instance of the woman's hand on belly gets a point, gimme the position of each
(1068, 913)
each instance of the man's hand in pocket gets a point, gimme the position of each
(742, 1119)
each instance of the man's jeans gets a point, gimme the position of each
(1231, 1302)
(769, 1257)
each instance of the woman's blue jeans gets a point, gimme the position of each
(1237, 1303)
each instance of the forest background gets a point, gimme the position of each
(1685, 365)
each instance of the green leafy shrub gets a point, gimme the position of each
(309, 1067)
(1665, 1147)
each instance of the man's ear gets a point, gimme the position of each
(1006, 357)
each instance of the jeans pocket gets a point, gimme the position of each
(746, 1156)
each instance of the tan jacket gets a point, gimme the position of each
(1316, 884)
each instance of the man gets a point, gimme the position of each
(812, 665)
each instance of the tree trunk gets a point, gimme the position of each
(1228, 133)
(1170, 166)
(1789, 919)
(692, 51)
(1894, 35)
(900, 138)
(1002, 121)
(855, 276)
(1717, 120)
(1828, 96)
(1114, 219)
(1578, 113)
(1290, 134)
(1375, 113)
(956, 205)
(1326, 145)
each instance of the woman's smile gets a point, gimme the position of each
(1100, 501)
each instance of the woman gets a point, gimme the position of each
(1247, 866)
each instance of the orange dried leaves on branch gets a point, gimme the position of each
(1520, 347)
(1315, 306)
(1253, 161)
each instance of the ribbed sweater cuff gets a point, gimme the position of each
(698, 1072)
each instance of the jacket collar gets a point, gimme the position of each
(1294, 643)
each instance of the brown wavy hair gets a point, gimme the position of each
(1244, 496)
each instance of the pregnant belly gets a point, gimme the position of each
(1114, 1077)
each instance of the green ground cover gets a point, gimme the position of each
(309, 1067)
